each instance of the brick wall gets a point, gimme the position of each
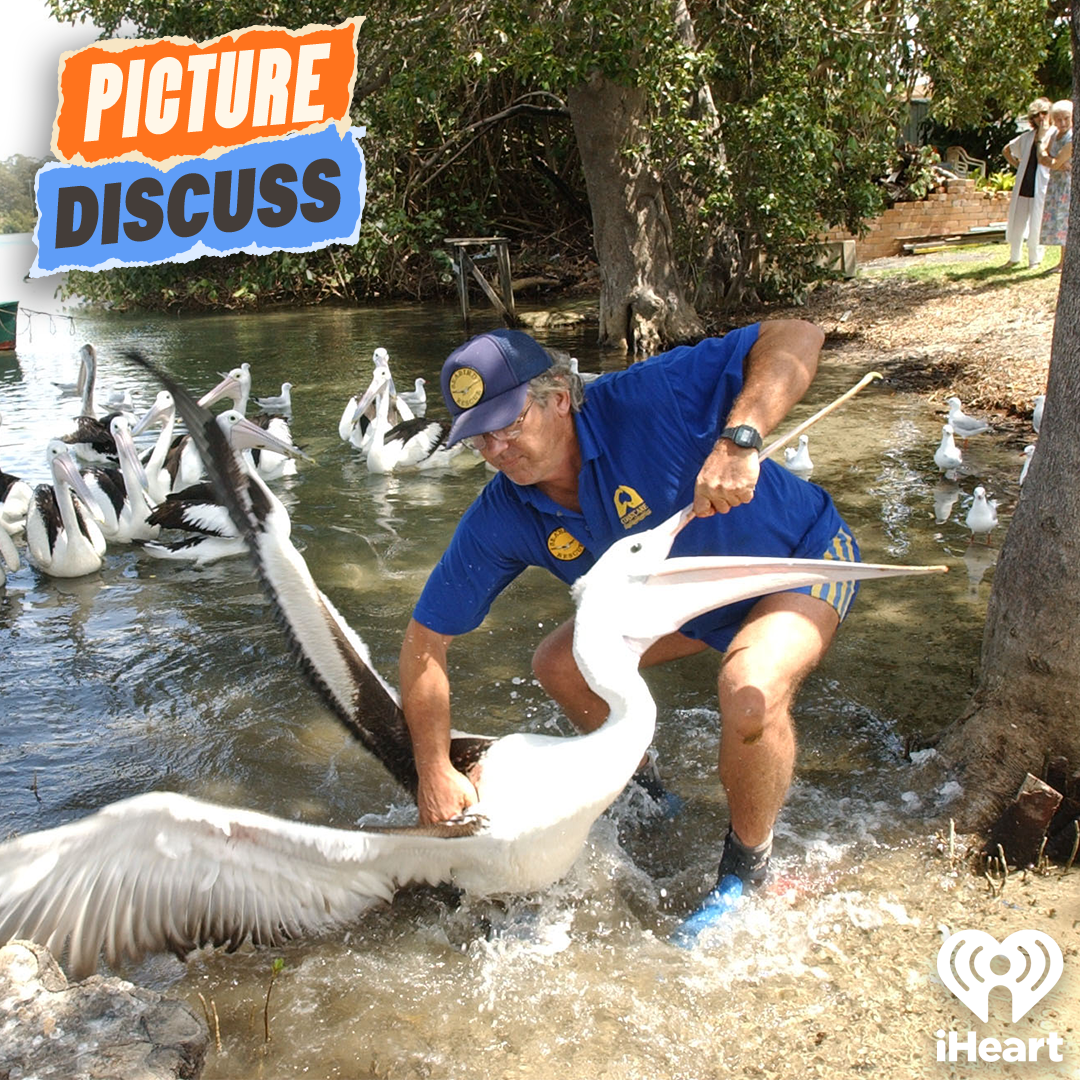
(947, 213)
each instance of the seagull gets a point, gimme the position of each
(963, 425)
(947, 457)
(62, 537)
(584, 376)
(162, 871)
(280, 403)
(982, 517)
(798, 460)
(1029, 450)
(416, 399)
(1037, 412)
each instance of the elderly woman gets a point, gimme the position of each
(1026, 204)
(1056, 155)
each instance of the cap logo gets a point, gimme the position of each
(466, 387)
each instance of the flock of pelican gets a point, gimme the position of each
(164, 872)
(103, 492)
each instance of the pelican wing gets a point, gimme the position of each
(164, 872)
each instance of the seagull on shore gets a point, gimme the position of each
(982, 517)
(963, 425)
(1037, 412)
(947, 457)
(797, 460)
(1029, 451)
(162, 871)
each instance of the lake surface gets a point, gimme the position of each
(152, 675)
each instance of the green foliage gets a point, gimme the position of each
(468, 132)
(996, 181)
(17, 211)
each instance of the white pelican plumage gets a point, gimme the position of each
(63, 538)
(166, 872)
(982, 517)
(121, 495)
(947, 457)
(416, 443)
(198, 509)
(237, 385)
(15, 497)
(9, 556)
(964, 426)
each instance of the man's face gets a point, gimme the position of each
(539, 451)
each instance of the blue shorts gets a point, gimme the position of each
(836, 595)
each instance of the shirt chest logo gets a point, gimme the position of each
(630, 506)
(564, 546)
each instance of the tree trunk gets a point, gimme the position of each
(1025, 707)
(643, 305)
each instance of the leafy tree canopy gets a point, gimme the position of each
(468, 132)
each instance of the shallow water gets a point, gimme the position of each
(153, 675)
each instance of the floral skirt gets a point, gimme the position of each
(1055, 220)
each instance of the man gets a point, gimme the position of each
(1029, 190)
(576, 471)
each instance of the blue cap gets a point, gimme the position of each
(485, 381)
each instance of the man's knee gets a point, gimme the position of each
(752, 702)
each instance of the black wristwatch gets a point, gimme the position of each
(744, 435)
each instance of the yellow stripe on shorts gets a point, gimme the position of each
(838, 594)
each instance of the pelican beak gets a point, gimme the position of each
(228, 387)
(121, 434)
(361, 406)
(66, 471)
(149, 418)
(244, 435)
(684, 587)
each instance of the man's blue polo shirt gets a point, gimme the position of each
(644, 434)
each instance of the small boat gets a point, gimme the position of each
(9, 316)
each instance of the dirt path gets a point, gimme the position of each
(982, 333)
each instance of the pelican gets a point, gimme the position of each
(15, 497)
(963, 425)
(1029, 450)
(355, 424)
(280, 403)
(416, 400)
(237, 385)
(412, 444)
(164, 871)
(198, 509)
(87, 359)
(170, 463)
(122, 495)
(63, 538)
(947, 457)
(1037, 412)
(9, 557)
(798, 460)
(982, 517)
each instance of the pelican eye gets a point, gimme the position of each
(635, 548)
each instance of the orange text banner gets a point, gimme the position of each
(171, 99)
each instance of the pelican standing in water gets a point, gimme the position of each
(163, 871)
(121, 495)
(63, 538)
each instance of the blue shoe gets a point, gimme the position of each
(647, 778)
(715, 908)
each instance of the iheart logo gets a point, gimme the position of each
(1035, 965)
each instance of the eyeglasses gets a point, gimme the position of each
(506, 434)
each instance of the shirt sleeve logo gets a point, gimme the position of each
(466, 387)
(630, 506)
(564, 546)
